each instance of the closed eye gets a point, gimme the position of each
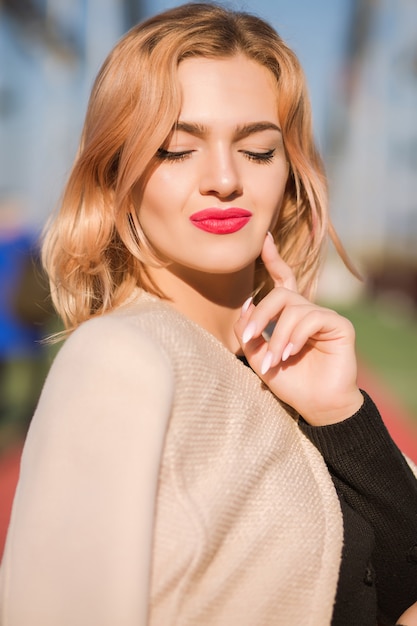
(259, 157)
(168, 155)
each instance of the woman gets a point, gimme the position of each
(168, 476)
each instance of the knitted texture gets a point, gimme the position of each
(377, 482)
(248, 527)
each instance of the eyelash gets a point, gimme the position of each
(260, 157)
(166, 155)
(257, 157)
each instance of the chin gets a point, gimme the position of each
(228, 268)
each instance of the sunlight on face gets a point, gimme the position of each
(221, 176)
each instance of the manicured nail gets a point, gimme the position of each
(287, 351)
(266, 363)
(249, 332)
(246, 305)
(271, 236)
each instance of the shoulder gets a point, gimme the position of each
(110, 383)
(108, 360)
(113, 341)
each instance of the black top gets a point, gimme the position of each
(378, 496)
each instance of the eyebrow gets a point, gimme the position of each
(241, 131)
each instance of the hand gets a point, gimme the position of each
(409, 617)
(309, 362)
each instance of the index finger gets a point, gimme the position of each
(280, 272)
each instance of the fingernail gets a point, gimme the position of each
(271, 236)
(287, 352)
(249, 332)
(266, 363)
(246, 305)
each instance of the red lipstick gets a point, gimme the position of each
(221, 221)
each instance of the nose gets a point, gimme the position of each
(220, 174)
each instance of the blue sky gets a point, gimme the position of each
(315, 30)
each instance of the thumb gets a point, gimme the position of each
(279, 271)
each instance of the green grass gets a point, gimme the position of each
(387, 342)
(21, 382)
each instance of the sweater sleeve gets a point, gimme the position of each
(79, 545)
(375, 480)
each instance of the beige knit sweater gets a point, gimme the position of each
(163, 484)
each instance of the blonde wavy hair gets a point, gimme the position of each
(94, 250)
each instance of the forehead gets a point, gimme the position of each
(235, 89)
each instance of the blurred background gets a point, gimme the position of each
(360, 58)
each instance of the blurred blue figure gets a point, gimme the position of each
(24, 311)
(17, 338)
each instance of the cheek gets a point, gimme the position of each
(166, 189)
(272, 191)
(158, 197)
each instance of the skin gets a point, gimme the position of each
(209, 276)
(309, 362)
(310, 357)
(409, 617)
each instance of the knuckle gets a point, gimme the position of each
(350, 329)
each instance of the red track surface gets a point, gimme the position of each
(399, 423)
(9, 472)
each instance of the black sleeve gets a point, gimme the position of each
(372, 476)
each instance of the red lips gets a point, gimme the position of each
(221, 221)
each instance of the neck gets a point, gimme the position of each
(213, 301)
